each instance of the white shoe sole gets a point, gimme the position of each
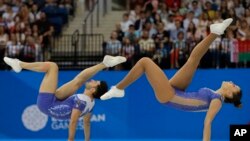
(14, 65)
(110, 61)
(219, 28)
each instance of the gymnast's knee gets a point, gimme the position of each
(145, 60)
(50, 66)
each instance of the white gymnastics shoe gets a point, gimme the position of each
(110, 61)
(13, 63)
(113, 93)
(219, 28)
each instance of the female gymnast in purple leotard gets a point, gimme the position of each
(172, 92)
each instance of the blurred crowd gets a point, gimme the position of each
(164, 30)
(168, 30)
(27, 26)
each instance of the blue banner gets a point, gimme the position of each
(137, 115)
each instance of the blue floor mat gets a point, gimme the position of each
(105, 140)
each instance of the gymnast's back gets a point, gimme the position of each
(193, 101)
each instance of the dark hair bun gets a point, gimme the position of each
(101, 89)
(238, 104)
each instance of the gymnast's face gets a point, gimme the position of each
(230, 88)
(92, 84)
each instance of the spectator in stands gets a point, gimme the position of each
(132, 35)
(230, 4)
(2, 23)
(128, 51)
(19, 33)
(215, 4)
(232, 43)
(190, 18)
(10, 24)
(170, 23)
(179, 51)
(16, 4)
(151, 5)
(164, 11)
(8, 15)
(24, 13)
(35, 34)
(173, 4)
(157, 18)
(217, 17)
(209, 9)
(28, 31)
(193, 37)
(133, 3)
(2, 54)
(2, 7)
(223, 9)
(46, 30)
(149, 16)
(214, 52)
(135, 14)
(239, 9)
(229, 50)
(203, 24)
(125, 22)
(120, 33)
(3, 37)
(3, 41)
(178, 16)
(140, 22)
(243, 31)
(29, 3)
(150, 28)
(13, 47)
(183, 10)
(34, 14)
(8, 18)
(192, 34)
(196, 8)
(30, 50)
(247, 16)
(231, 13)
(147, 45)
(161, 36)
(178, 28)
(161, 55)
(113, 46)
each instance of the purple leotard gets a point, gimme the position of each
(186, 100)
(61, 109)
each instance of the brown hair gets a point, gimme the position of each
(236, 99)
(100, 90)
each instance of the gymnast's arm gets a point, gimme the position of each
(86, 124)
(214, 108)
(72, 125)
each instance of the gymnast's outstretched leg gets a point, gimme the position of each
(50, 80)
(156, 77)
(184, 76)
(72, 86)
